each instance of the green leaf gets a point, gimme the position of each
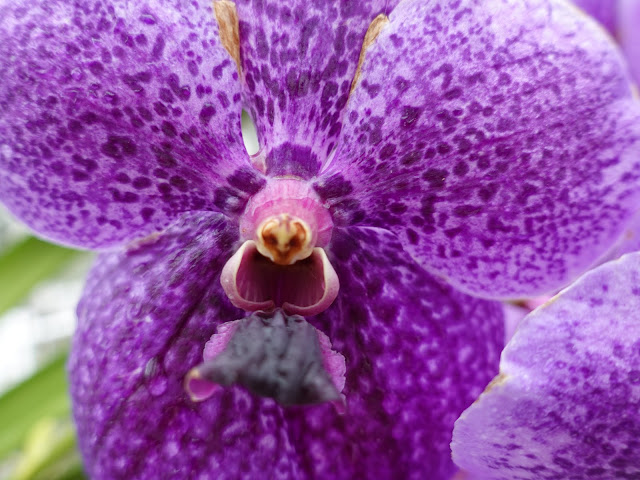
(42, 395)
(50, 452)
(25, 264)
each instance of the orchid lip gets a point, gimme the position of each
(253, 282)
(274, 355)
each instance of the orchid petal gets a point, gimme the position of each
(417, 352)
(117, 116)
(502, 144)
(565, 404)
(298, 61)
(146, 315)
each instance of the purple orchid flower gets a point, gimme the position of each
(415, 156)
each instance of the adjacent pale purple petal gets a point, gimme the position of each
(501, 145)
(298, 60)
(417, 352)
(565, 405)
(416, 357)
(629, 34)
(605, 11)
(117, 116)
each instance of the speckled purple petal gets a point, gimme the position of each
(565, 405)
(499, 140)
(605, 11)
(117, 116)
(298, 60)
(629, 34)
(417, 354)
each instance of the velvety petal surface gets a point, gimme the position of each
(499, 141)
(116, 116)
(298, 61)
(417, 353)
(565, 405)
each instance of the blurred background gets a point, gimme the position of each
(39, 287)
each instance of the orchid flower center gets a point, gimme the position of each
(284, 239)
(282, 262)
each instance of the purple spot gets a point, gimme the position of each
(409, 116)
(158, 48)
(217, 72)
(168, 129)
(467, 210)
(72, 49)
(141, 182)
(145, 113)
(334, 187)
(122, 177)
(180, 183)
(192, 66)
(165, 159)
(79, 175)
(123, 197)
(435, 177)
(166, 95)
(246, 180)
(148, 19)
(146, 213)
(207, 112)
(444, 148)
(89, 118)
(160, 109)
(96, 68)
(410, 158)
(224, 101)
(57, 167)
(118, 146)
(386, 151)
(75, 126)
(453, 93)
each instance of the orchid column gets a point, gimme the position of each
(415, 157)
